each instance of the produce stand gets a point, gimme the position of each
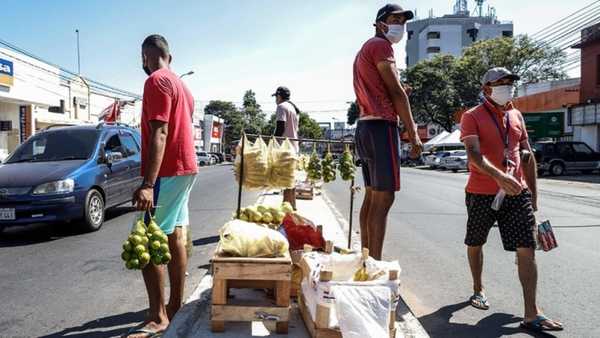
(251, 273)
(300, 140)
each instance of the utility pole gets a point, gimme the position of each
(78, 56)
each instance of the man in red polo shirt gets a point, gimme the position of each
(169, 168)
(494, 134)
(382, 102)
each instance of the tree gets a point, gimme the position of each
(445, 85)
(255, 118)
(353, 113)
(531, 60)
(434, 98)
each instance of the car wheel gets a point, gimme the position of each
(541, 173)
(557, 169)
(202, 163)
(94, 211)
(454, 170)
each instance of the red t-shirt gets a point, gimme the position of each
(373, 98)
(479, 122)
(167, 99)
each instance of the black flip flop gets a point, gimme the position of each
(537, 325)
(143, 329)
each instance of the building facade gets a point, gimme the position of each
(450, 34)
(35, 95)
(585, 117)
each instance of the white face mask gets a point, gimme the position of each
(394, 33)
(502, 94)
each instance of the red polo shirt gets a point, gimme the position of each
(167, 99)
(478, 122)
(373, 98)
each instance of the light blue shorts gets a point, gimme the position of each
(171, 198)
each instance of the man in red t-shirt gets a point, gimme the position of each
(383, 103)
(169, 169)
(494, 134)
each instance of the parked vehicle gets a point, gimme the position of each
(433, 160)
(68, 174)
(205, 158)
(557, 158)
(220, 157)
(457, 160)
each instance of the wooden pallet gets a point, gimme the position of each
(251, 273)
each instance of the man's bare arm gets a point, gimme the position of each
(529, 166)
(389, 74)
(505, 181)
(158, 139)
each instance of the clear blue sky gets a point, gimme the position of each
(232, 45)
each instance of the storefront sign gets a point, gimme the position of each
(6, 73)
(24, 123)
(544, 125)
(216, 131)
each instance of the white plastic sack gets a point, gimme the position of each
(363, 312)
(245, 239)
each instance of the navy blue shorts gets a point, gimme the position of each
(378, 147)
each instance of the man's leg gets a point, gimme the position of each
(475, 254)
(528, 278)
(381, 202)
(177, 267)
(156, 319)
(364, 218)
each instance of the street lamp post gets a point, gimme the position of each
(78, 55)
(191, 72)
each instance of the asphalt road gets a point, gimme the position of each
(426, 233)
(56, 282)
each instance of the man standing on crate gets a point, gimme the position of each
(383, 102)
(287, 115)
(169, 168)
(494, 133)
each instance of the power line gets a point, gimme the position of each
(550, 27)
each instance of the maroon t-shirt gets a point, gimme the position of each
(167, 99)
(373, 98)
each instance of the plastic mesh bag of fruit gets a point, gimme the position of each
(256, 164)
(145, 244)
(300, 230)
(283, 160)
(245, 239)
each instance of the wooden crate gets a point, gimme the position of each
(319, 328)
(251, 273)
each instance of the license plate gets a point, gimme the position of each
(7, 214)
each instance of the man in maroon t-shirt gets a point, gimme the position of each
(383, 103)
(169, 168)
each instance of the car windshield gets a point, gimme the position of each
(60, 145)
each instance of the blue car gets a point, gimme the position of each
(65, 174)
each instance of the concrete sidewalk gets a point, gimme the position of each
(193, 320)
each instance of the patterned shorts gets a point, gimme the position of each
(515, 219)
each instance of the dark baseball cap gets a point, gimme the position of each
(390, 9)
(498, 73)
(282, 91)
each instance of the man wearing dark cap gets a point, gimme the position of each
(494, 135)
(287, 126)
(383, 103)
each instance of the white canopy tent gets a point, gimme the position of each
(434, 141)
(450, 141)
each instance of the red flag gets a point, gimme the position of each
(111, 113)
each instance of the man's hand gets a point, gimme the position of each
(509, 184)
(416, 148)
(143, 199)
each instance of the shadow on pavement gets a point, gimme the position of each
(40, 233)
(103, 327)
(205, 240)
(437, 324)
(575, 178)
